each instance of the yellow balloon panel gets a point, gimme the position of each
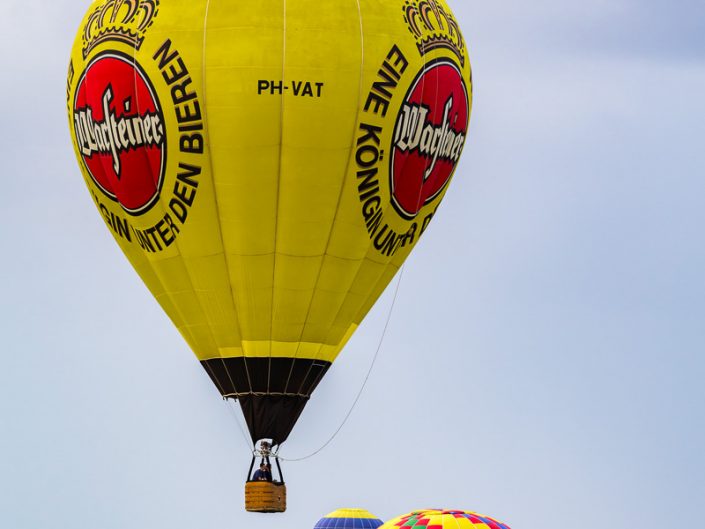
(267, 166)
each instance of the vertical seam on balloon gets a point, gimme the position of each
(217, 206)
(161, 205)
(435, 108)
(215, 196)
(117, 201)
(276, 211)
(215, 378)
(390, 262)
(176, 241)
(387, 264)
(102, 163)
(335, 215)
(423, 85)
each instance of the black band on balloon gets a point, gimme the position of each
(240, 376)
(272, 391)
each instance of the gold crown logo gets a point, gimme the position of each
(433, 27)
(120, 20)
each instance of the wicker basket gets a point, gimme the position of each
(265, 496)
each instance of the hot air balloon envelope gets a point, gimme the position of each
(348, 519)
(266, 167)
(443, 519)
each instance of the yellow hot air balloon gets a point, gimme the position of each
(267, 167)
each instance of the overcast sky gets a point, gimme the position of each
(544, 361)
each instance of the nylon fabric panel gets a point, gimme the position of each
(348, 519)
(364, 266)
(198, 272)
(315, 151)
(271, 417)
(283, 159)
(164, 270)
(243, 45)
(443, 519)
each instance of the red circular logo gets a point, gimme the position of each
(120, 131)
(428, 137)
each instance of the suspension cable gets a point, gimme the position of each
(234, 413)
(362, 387)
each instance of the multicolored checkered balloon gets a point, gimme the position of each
(349, 519)
(443, 519)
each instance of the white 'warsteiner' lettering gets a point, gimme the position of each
(115, 135)
(413, 132)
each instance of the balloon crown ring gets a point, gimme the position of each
(119, 20)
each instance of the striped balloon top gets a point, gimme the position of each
(443, 519)
(349, 519)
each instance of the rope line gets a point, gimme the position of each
(364, 382)
(248, 442)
